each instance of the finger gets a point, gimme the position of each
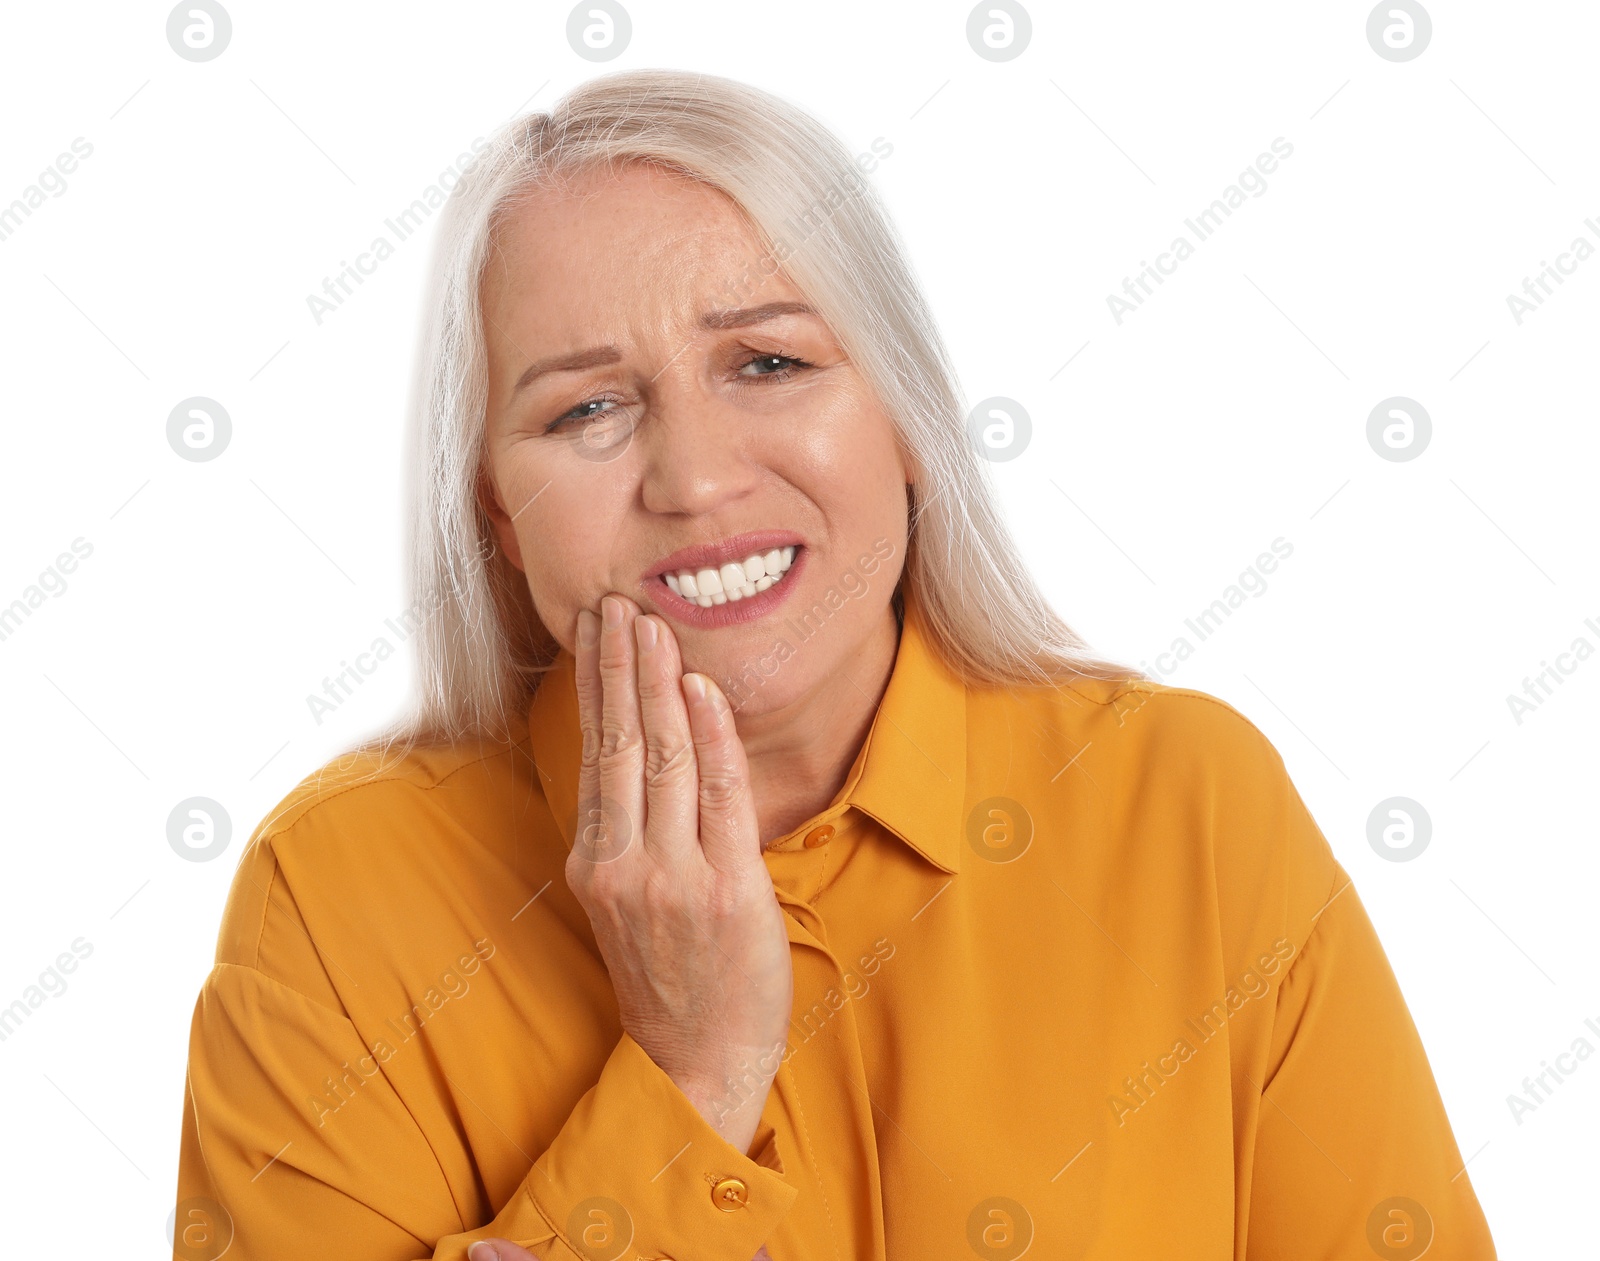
(729, 832)
(671, 777)
(500, 1250)
(590, 830)
(586, 681)
(621, 755)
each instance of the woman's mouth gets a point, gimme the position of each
(737, 580)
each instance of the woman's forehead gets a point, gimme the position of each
(648, 246)
(638, 205)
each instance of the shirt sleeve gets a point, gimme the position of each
(259, 1178)
(1354, 1155)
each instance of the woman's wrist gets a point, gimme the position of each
(734, 1114)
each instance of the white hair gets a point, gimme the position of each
(480, 647)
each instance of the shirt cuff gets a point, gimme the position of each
(636, 1166)
(764, 1148)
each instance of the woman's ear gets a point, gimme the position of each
(505, 529)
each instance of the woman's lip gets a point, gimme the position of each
(735, 612)
(716, 555)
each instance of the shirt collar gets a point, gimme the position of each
(912, 767)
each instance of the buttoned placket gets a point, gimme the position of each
(798, 862)
(823, 1074)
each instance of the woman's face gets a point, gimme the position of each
(656, 385)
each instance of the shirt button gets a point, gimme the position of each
(730, 1195)
(819, 836)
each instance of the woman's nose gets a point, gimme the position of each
(695, 448)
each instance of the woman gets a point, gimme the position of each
(769, 871)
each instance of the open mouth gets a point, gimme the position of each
(734, 581)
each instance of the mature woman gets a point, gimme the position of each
(769, 870)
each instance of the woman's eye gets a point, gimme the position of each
(582, 412)
(773, 365)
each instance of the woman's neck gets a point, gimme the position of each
(800, 755)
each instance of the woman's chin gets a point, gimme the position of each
(757, 678)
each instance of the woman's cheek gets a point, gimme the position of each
(567, 546)
(827, 434)
(517, 475)
(845, 423)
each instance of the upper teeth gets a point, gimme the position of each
(734, 581)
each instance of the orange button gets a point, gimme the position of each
(819, 836)
(730, 1194)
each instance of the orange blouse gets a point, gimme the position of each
(1076, 973)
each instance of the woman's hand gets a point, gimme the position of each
(667, 862)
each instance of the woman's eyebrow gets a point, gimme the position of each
(595, 357)
(743, 317)
(599, 356)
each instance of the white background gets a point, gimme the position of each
(1229, 410)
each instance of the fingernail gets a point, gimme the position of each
(611, 607)
(645, 630)
(588, 628)
(483, 1250)
(695, 686)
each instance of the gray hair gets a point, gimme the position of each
(480, 648)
